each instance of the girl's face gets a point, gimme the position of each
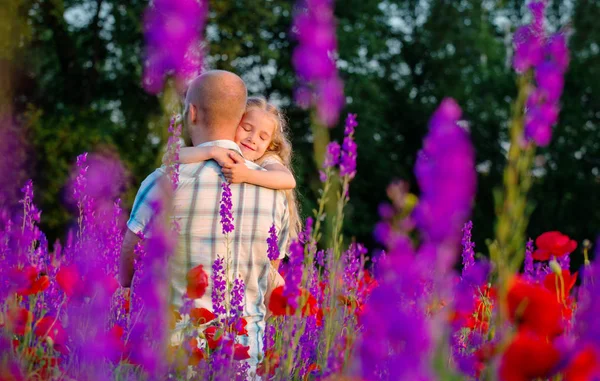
(255, 132)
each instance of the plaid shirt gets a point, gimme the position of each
(200, 239)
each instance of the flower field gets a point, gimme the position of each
(428, 306)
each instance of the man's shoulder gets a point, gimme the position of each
(200, 169)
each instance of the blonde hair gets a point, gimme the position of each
(281, 149)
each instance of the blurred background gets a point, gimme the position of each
(70, 81)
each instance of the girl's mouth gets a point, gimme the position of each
(245, 145)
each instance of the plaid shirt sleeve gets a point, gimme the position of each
(142, 211)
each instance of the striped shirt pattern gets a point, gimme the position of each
(200, 240)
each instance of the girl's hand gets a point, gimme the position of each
(237, 172)
(221, 156)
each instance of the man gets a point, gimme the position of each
(215, 104)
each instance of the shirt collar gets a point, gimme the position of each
(223, 143)
(230, 144)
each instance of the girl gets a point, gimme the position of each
(262, 138)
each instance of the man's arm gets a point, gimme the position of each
(126, 269)
(151, 190)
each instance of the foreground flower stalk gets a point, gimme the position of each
(534, 112)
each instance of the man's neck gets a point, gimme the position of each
(202, 136)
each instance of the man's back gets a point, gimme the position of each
(200, 238)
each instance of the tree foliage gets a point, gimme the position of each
(78, 88)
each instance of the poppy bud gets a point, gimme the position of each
(555, 267)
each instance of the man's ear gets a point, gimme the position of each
(193, 114)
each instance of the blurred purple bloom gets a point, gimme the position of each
(330, 100)
(556, 48)
(13, 151)
(445, 170)
(173, 31)
(468, 252)
(537, 129)
(549, 58)
(396, 339)
(313, 59)
(173, 147)
(537, 9)
(588, 307)
(225, 209)
(322, 176)
(273, 246)
(529, 51)
(549, 78)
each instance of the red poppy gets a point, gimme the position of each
(239, 327)
(240, 352)
(115, 338)
(126, 301)
(366, 285)
(278, 304)
(213, 337)
(269, 364)
(553, 283)
(110, 283)
(196, 354)
(528, 357)
(553, 244)
(310, 307)
(313, 370)
(584, 366)
(197, 281)
(533, 308)
(29, 281)
(49, 327)
(201, 316)
(68, 279)
(20, 320)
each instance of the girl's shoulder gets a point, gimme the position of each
(270, 159)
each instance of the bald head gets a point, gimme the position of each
(215, 103)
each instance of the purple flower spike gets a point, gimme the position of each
(291, 290)
(349, 148)
(468, 252)
(549, 57)
(529, 270)
(445, 170)
(273, 246)
(237, 297)
(219, 286)
(332, 156)
(225, 211)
